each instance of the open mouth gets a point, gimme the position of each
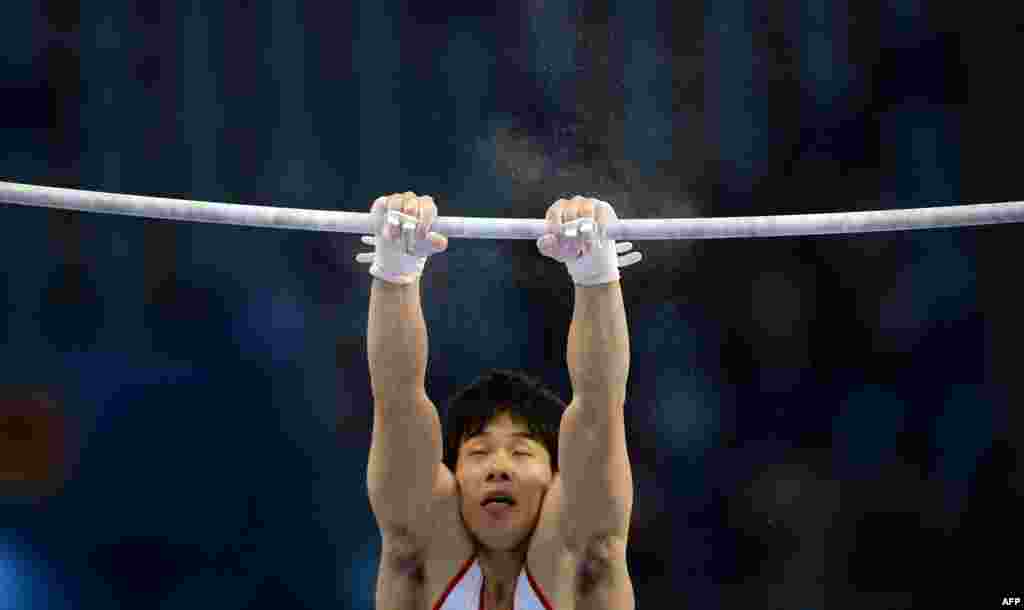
(499, 500)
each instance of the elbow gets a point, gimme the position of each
(607, 387)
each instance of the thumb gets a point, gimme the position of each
(546, 244)
(438, 242)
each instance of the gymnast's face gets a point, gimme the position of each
(500, 459)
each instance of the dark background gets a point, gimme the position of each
(822, 422)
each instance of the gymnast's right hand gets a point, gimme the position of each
(402, 237)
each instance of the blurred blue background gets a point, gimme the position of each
(185, 409)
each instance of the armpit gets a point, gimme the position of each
(402, 555)
(600, 560)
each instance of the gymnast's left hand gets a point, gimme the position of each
(577, 235)
(402, 237)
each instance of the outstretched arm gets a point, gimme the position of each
(594, 492)
(595, 470)
(396, 340)
(405, 452)
(598, 346)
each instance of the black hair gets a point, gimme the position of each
(500, 391)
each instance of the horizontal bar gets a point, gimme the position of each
(513, 228)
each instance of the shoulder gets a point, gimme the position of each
(596, 577)
(450, 546)
(604, 578)
(400, 578)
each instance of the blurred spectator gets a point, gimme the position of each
(36, 437)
